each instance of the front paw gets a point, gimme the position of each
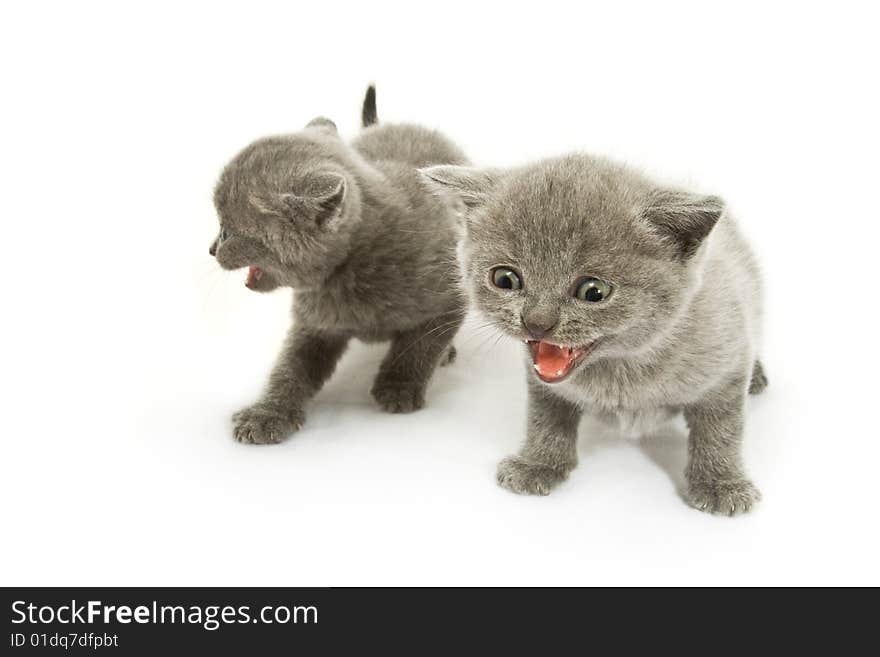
(525, 478)
(399, 397)
(262, 424)
(729, 497)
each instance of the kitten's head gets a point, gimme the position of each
(580, 258)
(286, 207)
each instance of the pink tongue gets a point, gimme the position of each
(254, 274)
(551, 361)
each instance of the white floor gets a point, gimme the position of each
(165, 496)
(125, 349)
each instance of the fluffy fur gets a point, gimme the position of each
(678, 333)
(368, 252)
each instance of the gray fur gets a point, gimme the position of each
(414, 144)
(369, 253)
(679, 332)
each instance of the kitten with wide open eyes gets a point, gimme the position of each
(369, 253)
(634, 302)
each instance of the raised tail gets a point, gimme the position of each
(369, 115)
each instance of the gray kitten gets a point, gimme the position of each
(369, 253)
(634, 301)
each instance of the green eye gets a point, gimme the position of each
(592, 290)
(506, 279)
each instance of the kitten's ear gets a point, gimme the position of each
(470, 184)
(684, 217)
(319, 201)
(323, 124)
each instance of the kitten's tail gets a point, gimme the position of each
(369, 115)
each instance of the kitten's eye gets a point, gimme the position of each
(506, 278)
(592, 290)
(224, 234)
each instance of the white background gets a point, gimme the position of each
(125, 349)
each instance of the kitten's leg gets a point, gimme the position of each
(407, 368)
(759, 379)
(307, 360)
(715, 477)
(550, 450)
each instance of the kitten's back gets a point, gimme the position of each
(732, 273)
(414, 145)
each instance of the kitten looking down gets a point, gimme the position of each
(368, 252)
(634, 302)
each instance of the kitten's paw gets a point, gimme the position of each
(729, 497)
(520, 476)
(264, 425)
(399, 397)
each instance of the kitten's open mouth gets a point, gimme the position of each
(254, 275)
(553, 363)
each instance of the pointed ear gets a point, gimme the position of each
(320, 200)
(323, 124)
(469, 184)
(685, 218)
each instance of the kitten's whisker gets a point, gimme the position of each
(445, 328)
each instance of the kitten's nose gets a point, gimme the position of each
(212, 250)
(539, 323)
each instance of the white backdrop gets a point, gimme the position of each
(125, 349)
